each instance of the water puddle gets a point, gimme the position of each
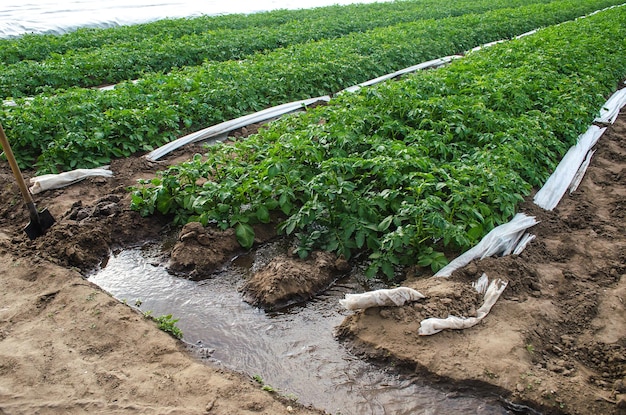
(292, 351)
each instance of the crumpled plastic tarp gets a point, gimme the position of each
(379, 298)
(502, 240)
(558, 183)
(492, 292)
(521, 245)
(56, 181)
(220, 131)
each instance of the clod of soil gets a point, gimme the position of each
(288, 280)
(199, 251)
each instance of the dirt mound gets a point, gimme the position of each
(199, 251)
(287, 280)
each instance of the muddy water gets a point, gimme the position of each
(293, 351)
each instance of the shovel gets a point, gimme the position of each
(39, 221)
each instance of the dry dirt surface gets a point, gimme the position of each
(555, 341)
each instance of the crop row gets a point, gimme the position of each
(130, 58)
(407, 169)
(85, 128)
(40, 47)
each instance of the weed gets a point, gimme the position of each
(292, 397)
(166, 323)
(258, 379)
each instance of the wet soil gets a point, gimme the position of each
(555, 341)
(288, 280)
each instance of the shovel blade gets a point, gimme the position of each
(39, 225)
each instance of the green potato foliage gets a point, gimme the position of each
(87, 58)
(410, 168)
(84, 128)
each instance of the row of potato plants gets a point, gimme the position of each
(85, 128)
(130, 58)
(39, 47)
(408, 169)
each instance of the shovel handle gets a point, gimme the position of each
(28, 198)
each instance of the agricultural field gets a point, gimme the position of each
(90, 57)
(83, 128)
(437, 159)
(395, 179)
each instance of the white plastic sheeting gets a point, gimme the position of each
(56, 181)
(435, 63)
(11, 103)
(59, 16)
(610, 110)
(502, 240)
(379, 298)
(532, 32)
(493, 291)
(558, 183)
(486, 45)
(112, 87)
(221, 130)
(521, 245)
(578, 177)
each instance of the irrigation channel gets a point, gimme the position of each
(293, 351)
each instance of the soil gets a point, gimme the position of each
(555, 341)
(67, 347)
(288, 280)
